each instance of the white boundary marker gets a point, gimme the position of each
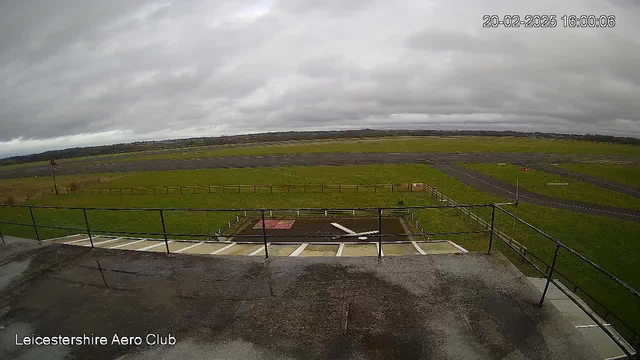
(378, 249)
(590, 326)
(340, 249)
(126, 244)
(64, 237)
(154, 245)
(188, 247)
(75, 241)
(258, 251)
(299, 250)
(418, 248)
(106, 241)
(222, 249)
(464, 251)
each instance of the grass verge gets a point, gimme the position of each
(538, 182)
(624, 174)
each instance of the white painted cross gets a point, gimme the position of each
(351, 233)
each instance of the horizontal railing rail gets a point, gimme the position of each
(379, 212)
(239, 188)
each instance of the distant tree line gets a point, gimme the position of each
(292, 135)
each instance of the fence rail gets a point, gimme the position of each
(487, 227)
(271, 188)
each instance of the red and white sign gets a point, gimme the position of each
(275, 224)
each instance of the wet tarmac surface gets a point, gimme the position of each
(414, 307)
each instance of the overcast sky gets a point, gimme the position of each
(78, 72)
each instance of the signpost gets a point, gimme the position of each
(53, 164)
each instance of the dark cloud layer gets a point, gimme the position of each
(82, 73)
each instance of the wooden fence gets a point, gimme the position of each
(211, 189)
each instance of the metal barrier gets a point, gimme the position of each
(379, 213)
(550, 271)
(263, 213)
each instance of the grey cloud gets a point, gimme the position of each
(141, 69)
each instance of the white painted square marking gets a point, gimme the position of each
(154, 245)
(222, 249)
(126, 244)
(75, 241)
(106, 241)
(189, 247)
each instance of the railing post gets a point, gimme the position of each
(550, 276)
(33, 221)
(264, 235)
(86, 222)
(379, 233)
(164, 231)
(493, 216)
(2, 237)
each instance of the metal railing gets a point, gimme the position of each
(549, 270)
(377, 212)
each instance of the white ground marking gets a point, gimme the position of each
(418, 248)
(125, 244)
(188, 247)
(75, 241)
(464, 251)
(349, 231)
(61, 238)
(258, 251)
(380, 250)
(106, 241)
(299, 250)
(340, 249)
(154, 245)
(590, 326)
(222, 249)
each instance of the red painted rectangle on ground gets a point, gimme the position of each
(275, 224)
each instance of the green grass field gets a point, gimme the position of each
(435, 144)
(537, 181)
(30, 188)
(420, 144)
(624, 174)
(609, 242)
